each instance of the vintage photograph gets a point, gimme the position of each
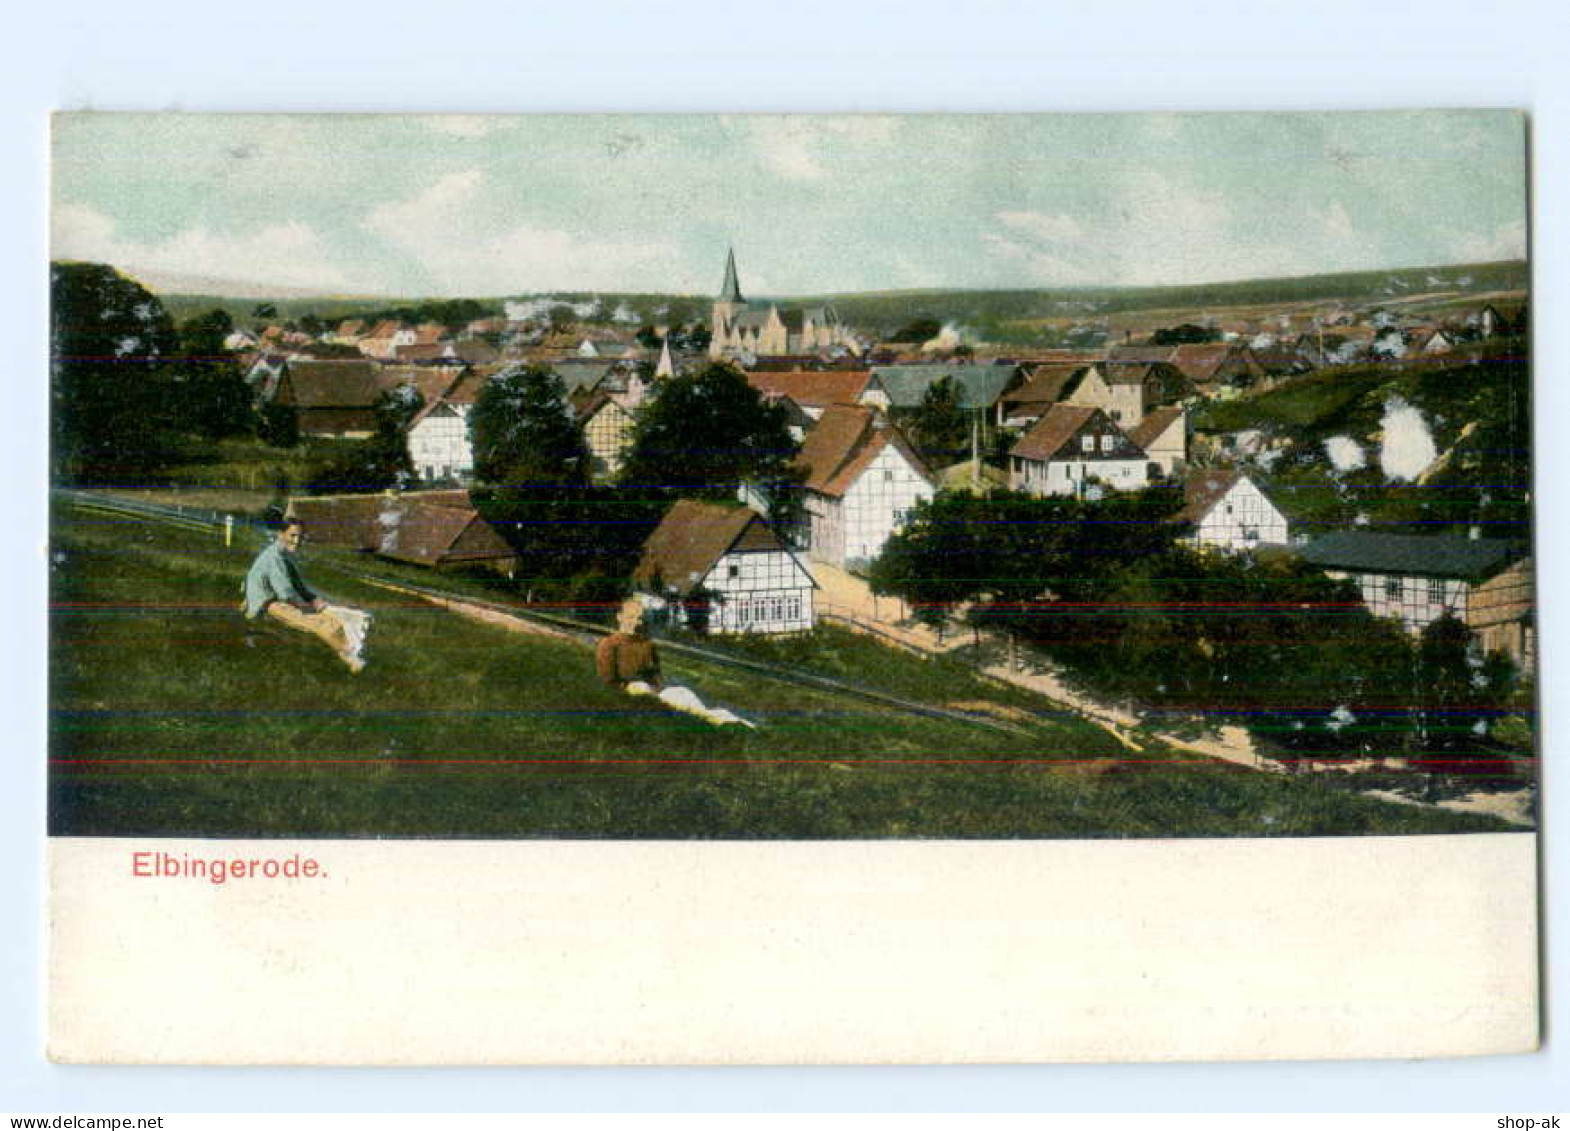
(1050, 477)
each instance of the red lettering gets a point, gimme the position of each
(310, 867)
(270, 869)
(139, 864)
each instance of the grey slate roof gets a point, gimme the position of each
(1420, 555)
(582, 373)
(730, 290)
(980, 386)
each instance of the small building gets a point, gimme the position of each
(1163, 436)
(429, 528)
(724, 568)
(330, 398)
(863, 480)
(607, 430)
(1047, 385)
(1127, 390)
(816, 390)
(1419, 578)
(1227, 510)
(1073, 447)
(1434, 343)
(438, 434)
(1208, 366)
(980, 385)
(383, 340)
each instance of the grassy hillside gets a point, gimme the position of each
(1476, 406)
(172, 716)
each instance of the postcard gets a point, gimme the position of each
(808, 589)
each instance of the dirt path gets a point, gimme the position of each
(849, 599)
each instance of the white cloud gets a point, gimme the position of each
(450, 231)
(432, 216)
(1154, 230)
(289, 254)
(1508, 241)
(1054, 228)
(805, 148)
(1338, 225)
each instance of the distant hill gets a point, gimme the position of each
(991, 314)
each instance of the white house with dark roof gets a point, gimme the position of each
(1073, 447)
(438, 435)
(723, 563)
(1227, 510)
(1418, 578)
(863, 480)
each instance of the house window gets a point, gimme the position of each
(1393, 588)
(1087, 443)
(1106, 443)
(1436, 591)
(888, 475)
(733, 571)
(1251, 534)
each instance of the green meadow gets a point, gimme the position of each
(171, 715)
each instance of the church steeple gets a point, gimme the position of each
(730, 290)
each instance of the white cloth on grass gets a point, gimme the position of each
(685, 700)
(356, 626)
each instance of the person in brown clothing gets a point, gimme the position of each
(627, 655)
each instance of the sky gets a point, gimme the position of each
(447, 206)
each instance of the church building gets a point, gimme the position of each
(741, 329)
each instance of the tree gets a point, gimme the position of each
(941, 426)
(523, 433)
(920, 330)
(377, 463)
(110, 345)
(561, 317)
(1186, 334)
(708, 432)
(209, 394)
(265, 310)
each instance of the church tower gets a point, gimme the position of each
(726, 307)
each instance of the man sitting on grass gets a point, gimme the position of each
(274, 588)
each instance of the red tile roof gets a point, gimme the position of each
(429, 528)
(1056, 427)
(1149, 430)
(813, 388)
(844, 441)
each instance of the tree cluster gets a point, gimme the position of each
(1186, 334)
(707, 433)
(127, 390)
(1269, 643)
